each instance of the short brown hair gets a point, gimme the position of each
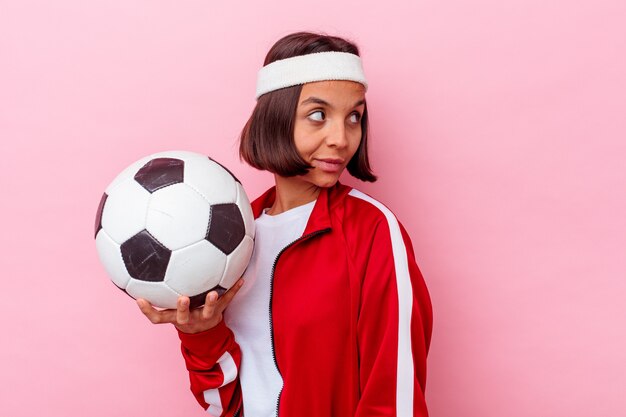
(266, 141)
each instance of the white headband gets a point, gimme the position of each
(301, 69)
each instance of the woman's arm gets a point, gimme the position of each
(213, 358)
(211, 354)
(394, 327)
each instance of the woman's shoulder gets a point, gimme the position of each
(366, 221)
(363, 211)
(366, 206)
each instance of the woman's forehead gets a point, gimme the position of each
(334, 85)
(337, 91)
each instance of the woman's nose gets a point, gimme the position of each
(337, 136)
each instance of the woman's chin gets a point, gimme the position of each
(327, 183)
(321, 178)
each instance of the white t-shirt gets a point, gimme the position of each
(248, 314)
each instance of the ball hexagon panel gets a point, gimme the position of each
(220, 189)
(237, 262)
(159, 173)
(111, 258)
(196, 268)
(128, 173)
(124, 213)
(226, 228)
(178, 216)
(145, 257)
(157, 293)
(246, 210)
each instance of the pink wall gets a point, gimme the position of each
(498, 133)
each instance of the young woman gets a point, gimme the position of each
(334, 318)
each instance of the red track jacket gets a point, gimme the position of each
(351, 319)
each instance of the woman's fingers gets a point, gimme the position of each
(215, 305)
(225, 299)
(209, 305)
(182, 310)
(207, 316)
(154, 315)
(146, 309)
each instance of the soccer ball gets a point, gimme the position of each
(174, 223)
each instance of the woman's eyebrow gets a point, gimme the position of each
(325, 103)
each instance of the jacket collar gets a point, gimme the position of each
(320, 216)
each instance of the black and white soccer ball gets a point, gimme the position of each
(174, 223)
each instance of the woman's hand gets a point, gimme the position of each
(196, 320)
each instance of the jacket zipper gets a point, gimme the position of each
(317, 232)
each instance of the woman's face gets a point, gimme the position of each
(327, 129)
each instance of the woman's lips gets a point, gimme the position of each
(329, 165)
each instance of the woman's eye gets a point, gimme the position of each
(357, 117)
(315, 112)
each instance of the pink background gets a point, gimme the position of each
(498, 132)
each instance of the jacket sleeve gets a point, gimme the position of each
(213, 359)
(394, 327)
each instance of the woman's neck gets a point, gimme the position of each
(292, 192)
